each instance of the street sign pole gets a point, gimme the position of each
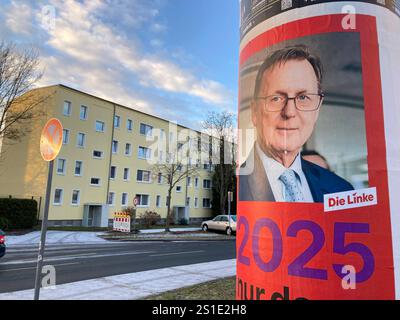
(43, 233)
(50, 146)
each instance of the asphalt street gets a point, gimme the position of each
(83, 262)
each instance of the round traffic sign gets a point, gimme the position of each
(51, 139)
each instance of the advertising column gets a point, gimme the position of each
(319, 153)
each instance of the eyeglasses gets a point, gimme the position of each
(303, 102)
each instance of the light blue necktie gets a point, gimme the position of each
(292, 190)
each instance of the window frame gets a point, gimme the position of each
(104, 126)
(69, 103)
(84, 140)
(79, 197)
(127, 125)
(68, 131)
(112, 204)
(118, 125)
(81, 174)
(86, 112)
(126, 199)
(95, 185)
(115, 172)
(61, 197)
(128, 175)
(64, 172)
(140, 200)
(142, 181)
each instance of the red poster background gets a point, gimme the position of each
(379, 240)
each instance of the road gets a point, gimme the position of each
(84, 262)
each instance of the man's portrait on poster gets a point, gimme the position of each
(287, 99)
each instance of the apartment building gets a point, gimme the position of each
(105, 162)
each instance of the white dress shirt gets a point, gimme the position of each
(274, 170)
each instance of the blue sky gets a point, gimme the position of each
(176, 59)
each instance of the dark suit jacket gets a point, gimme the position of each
(255, 186)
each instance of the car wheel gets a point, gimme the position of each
(229, 231)
(205, 228)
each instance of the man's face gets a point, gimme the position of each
(289, 129)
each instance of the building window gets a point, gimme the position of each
(117, 121)
(58, 196)
(143, 176)
(95, 181)
(126, 174)
(65, 136)
(143, 200)
(188, 202)
(196, 182)
(206, 203)
(129, 125)
(100, 125)
(128, 149)
(78, 168)
(158, 201)
(178, 188)
(146, 129)
(196, 202)
(67, 108)
(159, 178)
(81, 140)
(206, 184)
(189, 181)
(124, 199)
(61, 166)
(75, 197)
(111, 198)
(113, 172)
(114, 146)
(97, 154)
(144, 153)
(83, 113)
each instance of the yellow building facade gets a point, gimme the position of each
(107, 159)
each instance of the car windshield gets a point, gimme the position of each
(233, 218)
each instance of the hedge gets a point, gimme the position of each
(18, 213)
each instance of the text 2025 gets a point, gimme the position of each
(297, 266)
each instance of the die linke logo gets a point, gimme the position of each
(350, 199)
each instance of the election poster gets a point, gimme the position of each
(319, 158)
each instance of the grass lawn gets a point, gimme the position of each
(221, 289)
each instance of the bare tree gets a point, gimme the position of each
(220, 128)
(174, 169)
(19, 72)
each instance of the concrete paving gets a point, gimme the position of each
(72, 237)
(134, 285)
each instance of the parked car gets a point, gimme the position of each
(2, 243)
(220, 223)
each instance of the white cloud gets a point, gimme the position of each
(90, 49)
(81, 35)
(18, 18)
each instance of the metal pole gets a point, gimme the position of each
(43, 233)
(229, 209)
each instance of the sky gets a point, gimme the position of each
(176, 59)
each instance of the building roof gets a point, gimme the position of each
(117, 104)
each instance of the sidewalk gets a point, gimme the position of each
(133, 286)
(73, 237)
